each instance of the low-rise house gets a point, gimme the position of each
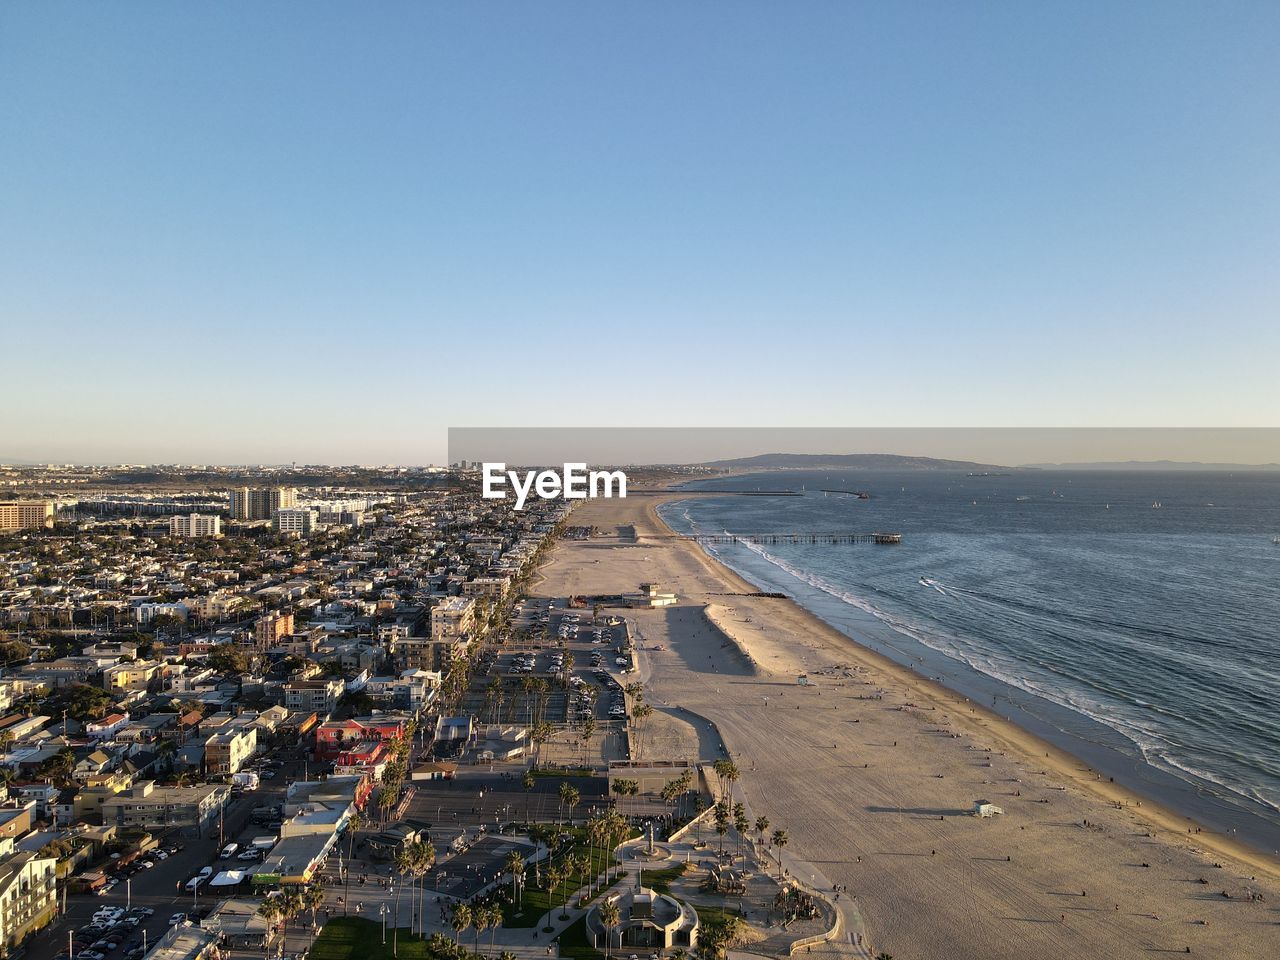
(106, 728)
(92, 764)
(96, 791)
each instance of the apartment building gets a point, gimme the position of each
(486, 587)
(452, 618)
(131, 676)
(272, 627)
(151, 807)
(25, 514)
(320, 696)
(226, 752)
(295, 520)
(259, 504)
(196, 525)
(28, 896)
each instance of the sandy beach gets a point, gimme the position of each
(873, 771)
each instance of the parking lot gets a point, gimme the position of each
(564, 668)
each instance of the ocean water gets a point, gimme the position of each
(1133, 618)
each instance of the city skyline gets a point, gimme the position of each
(375, 224)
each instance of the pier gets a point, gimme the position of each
(773, 539)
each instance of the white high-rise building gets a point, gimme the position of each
(296, 520)
(196, 525)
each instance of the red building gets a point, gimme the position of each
(336, 736)
(365, 757)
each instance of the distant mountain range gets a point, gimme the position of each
(863, 461)
(1153, 465)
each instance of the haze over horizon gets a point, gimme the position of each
(325, 233)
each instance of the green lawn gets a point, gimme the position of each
(353, 938)
(711, 915)
(574, 943)
(660, 880)
(538, 900)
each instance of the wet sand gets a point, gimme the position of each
(873, 771)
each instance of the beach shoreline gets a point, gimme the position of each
(1116, 838)
(1064, 761)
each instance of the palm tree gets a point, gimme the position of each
(494, 913)
(386, 800)
(515, 867)
(354, 823)
(565, 787)
(727, 773)
(588, 731)
(741, 825)
(780, 840)
(734, 930)
(762, 824)
(460, 921)
(571, 798)
(595, 835)
(722, 823)
(272, 910)
(404, 867)
(313, 900)
(555, 876)
(479, 923)
(610, 917)
(528, 783)
(290, 905)
(423, 857)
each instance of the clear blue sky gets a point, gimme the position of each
(312, 231)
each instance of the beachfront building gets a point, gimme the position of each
(367, 757)
(185, 941)
(452, 619)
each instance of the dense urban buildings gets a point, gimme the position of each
(164, 654)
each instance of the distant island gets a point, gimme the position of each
(863, 461)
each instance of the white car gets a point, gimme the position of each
(177, 918)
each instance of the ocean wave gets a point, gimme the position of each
(1150, 742)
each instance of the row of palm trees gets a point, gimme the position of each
(481, 917)
(283, 907)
